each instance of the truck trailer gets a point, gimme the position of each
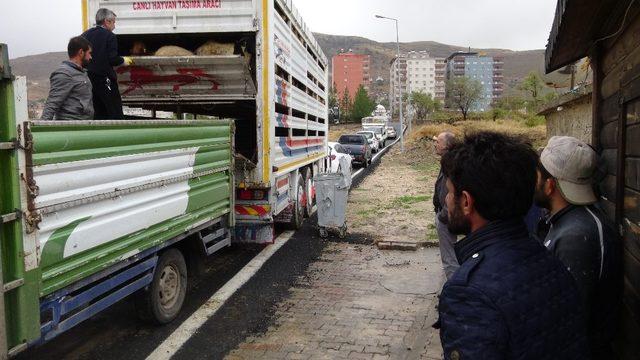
(94, 212)
(270, 77)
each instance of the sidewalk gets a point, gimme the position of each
(358, 301)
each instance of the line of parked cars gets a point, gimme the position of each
(360, 147)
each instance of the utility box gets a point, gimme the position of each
(332, 193)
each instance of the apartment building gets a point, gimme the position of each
(487, 70)
(349, 71)
(418, 72)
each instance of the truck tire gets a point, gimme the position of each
(161, 302)
(298, 206)
(308, 178)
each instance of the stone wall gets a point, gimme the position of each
(570, 115)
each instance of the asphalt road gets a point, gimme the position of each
(118, 334)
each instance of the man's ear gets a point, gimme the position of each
(467, 203)
(550, 186)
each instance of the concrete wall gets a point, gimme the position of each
(570, 115)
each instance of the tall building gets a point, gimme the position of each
(397, 81)
(419, 72)
(486, 70)
(349, 71)
(441, 78)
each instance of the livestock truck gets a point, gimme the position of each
(94, 212)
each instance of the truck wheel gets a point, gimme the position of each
(311, 200)
(163, 299)
(298, 205)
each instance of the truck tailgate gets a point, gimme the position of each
(106, 190)
(154, 79)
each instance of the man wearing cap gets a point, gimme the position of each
(443, 142)
(580, 235)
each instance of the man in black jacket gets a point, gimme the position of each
(581, 236)
(107, 102)
(443, 142)
(510, 298)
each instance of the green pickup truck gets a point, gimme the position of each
(95, 211)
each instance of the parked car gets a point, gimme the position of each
(391, 132)
(358, 147)
(335, 152)
(371, 139)
(379, 132)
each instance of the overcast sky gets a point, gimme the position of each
(38, 26)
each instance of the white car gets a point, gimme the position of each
(372, 139)
(379, 131)
(391, 132)
(336, 152)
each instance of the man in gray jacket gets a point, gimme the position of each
(70, 96)
(446, 239)
(581, 236)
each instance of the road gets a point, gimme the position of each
(117, 333)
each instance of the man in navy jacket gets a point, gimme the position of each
(510, 298)
(107, 102)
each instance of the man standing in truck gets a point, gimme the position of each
(106, 95)
(70, 92)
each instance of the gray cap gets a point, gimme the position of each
(572, 163)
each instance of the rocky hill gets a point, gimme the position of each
(517, 64)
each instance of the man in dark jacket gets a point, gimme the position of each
(70, 92)
(510, 298)
(444, 142)
(106, 95)
(581, 236)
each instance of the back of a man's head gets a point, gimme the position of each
(499, 171)
(103, 15)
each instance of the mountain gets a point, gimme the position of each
(517, 64)
(37, 69)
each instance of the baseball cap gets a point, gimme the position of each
(572, 163)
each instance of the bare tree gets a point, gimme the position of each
(463, 93)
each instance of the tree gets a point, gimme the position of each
(333, 96)
(511, 103)
(533, 85)
(345, 105)
(463, 93)
(423, 104)
(362, 104)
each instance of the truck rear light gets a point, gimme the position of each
(252, 195)
(245, 194)
(333, 157)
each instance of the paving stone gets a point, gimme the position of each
(349, 308)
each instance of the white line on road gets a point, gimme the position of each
(172, 344)
(379, 154)
(188, 328)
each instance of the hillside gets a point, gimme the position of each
(517, 63)
(37, 69)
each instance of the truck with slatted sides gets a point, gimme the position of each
(271, 80)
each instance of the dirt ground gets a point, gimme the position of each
(395, 202)
(335, 131)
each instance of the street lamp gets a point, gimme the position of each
(398, 77)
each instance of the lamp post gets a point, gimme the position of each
(398, 77)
